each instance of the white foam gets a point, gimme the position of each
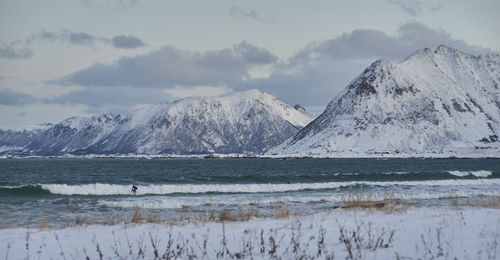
(182, 202)
(398, 173)
(116, 189)
(481, 174)
(383, 173)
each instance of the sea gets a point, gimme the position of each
(60, 192)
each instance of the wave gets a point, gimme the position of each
(23, 190)
(176, 202)
(481, 174)
(382, 173)
(103, 189)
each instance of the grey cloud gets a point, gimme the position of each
(322, 69)
(19, 49)
(313, 85)
(311, 77)
(358, 44)
(110, 4)
(78, 38)
(412, 7)
(415, 7)
(254, 54)
(11, 98)
(50, 36)
(127, 42)
(370, 44)
(170, 67)
(15, 50)
(119, 98)
(81, 38)
(252, 15)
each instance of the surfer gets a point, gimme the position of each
(134, 189)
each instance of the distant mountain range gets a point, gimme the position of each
(443, 102)
(434, 102)
(243, 122)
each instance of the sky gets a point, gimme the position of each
(61, 58)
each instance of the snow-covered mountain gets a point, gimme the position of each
(441, 102)
(242, 122)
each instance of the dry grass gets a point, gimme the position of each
(153, 218)
(44, 224)
(150, 217)
(81, 221)
(239, 215)
(390, 204)
(136, 217)
(479, 202)
(282, 212)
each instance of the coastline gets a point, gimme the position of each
(493, 155)
(463, 232)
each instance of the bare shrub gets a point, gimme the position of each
(363, 236)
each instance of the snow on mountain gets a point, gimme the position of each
(242, 122)
(441, 102)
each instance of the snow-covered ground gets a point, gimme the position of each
(425, 233)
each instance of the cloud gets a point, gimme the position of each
(311, 77)
(11, 98)
(415, 7)
(171, 67)
(370, 44)
(65, 35)
(318, 72)
(110, 4)
(19, 49)
(81, 38)
(113, 98)
(126, 42)
(252, 15)
(410, 6)
(15, 50)
(312, 85)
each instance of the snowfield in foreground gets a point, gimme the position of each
(466, 233)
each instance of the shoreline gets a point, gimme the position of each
(244, 156)
(416, 232)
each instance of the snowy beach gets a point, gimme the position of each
(415, 233)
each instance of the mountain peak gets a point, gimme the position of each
(240, 122)
(382, 62)
(425, 52)
(444, 49)
(251, 93)
(441, 102)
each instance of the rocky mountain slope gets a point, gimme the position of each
(434, 102)
(243, 122)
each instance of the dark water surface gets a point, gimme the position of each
(60, 190)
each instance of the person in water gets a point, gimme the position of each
(134, 189)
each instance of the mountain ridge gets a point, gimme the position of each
(432, 102)
(242, 122)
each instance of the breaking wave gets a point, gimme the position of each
(176, 202)
(481, 174)
(23, 190)
(100, 189)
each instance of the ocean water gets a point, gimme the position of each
(59, 191)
